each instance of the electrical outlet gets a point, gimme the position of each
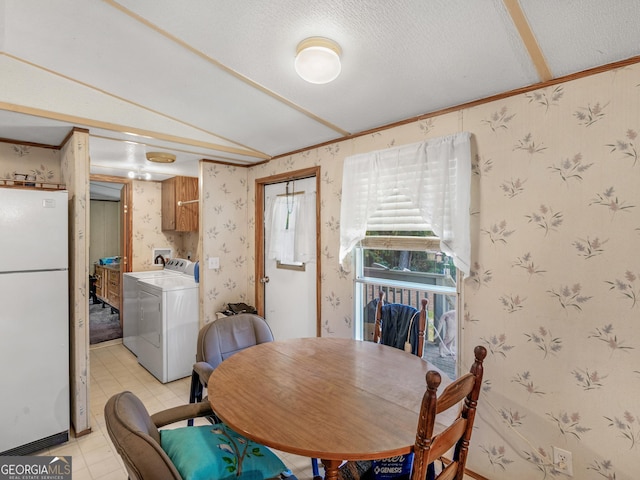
(562, 461)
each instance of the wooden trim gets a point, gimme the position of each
(70, 134)
(247, 150)
(225, 68)
(126, 209)
(529, 39)
(29, 144)
(474, 103)
(231, 164)
(259, 247)
(288, 176)
(259, 236)
(38, 112)
(84, 432)
(31, 184)
(401, 243)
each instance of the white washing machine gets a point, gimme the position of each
(130, 309)
(168, 326)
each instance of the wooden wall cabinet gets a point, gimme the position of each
(180, 218)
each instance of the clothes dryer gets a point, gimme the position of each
(168, 326)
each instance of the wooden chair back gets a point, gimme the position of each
(422, 322)
(430, 447)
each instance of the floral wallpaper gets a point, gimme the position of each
(147, 232)
(552, 292)
(227, 234)
(19, 161)
(75, 173)
(555, 283)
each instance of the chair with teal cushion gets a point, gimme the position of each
(185, 453)
(221, 339)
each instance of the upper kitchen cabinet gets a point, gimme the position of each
(180, 204)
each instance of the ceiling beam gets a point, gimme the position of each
(225, 68)
(529, 39)
(38, 112)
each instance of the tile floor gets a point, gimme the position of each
(115, 369)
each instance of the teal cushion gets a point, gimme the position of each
(217, 452)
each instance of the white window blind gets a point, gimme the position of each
(396, 212)
(421, 186)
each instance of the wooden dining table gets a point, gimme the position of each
(328, 398)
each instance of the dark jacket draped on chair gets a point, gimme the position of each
(396, 321)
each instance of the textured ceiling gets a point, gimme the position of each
(214, 79)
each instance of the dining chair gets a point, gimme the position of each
(400, 326)
(209, 451)
(219, 340)
(429, 447)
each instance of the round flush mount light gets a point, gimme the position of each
(161, 157)
(318, 60)
(139, 175)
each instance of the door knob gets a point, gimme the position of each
(264, 280)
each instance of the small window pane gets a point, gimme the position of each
(407, 277)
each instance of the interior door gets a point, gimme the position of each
(290, 287)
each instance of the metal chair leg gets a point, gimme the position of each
(314, 468)
(195, 392)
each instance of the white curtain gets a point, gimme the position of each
(435, 175)
(291, 222)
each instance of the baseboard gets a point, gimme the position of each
(84, 432)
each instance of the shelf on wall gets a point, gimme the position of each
(32, 184)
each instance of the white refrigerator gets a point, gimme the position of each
(34, 320)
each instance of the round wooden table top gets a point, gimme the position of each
(328, 398)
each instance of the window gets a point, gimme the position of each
(406, 212)
(412, 187)
(408, 268)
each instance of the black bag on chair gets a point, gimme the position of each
(236, 308)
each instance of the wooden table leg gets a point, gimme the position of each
(331, 469)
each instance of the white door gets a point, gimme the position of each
(290, 292)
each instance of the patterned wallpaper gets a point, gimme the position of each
(554, 286)
(147, 231)
(75, 174)
(554, 289)
(228, 235)
(552, 293)
(16, 161)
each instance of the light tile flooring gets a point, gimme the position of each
(113, 370)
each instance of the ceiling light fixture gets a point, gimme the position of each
(139, 175)
(161, 157)
(318, 60)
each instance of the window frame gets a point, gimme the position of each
(420, 244)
